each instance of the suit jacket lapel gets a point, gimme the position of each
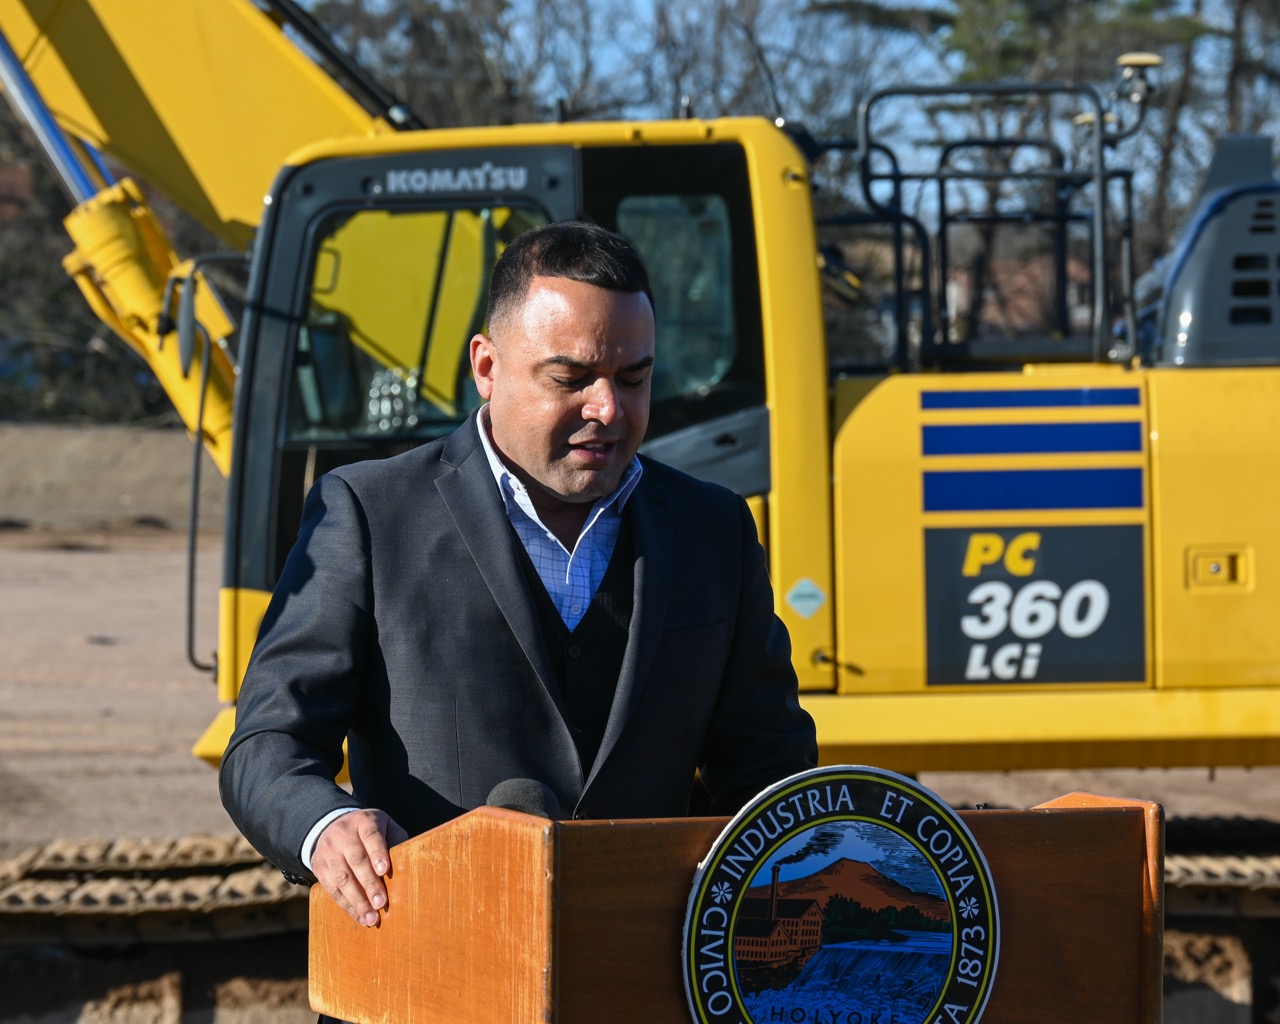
(471, 495)
(653, 524)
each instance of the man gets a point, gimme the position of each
(525, 599)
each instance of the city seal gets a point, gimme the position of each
(843, 895)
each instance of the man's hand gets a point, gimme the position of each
(350, 859)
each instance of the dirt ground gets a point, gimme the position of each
(99, 709)
(98, 706)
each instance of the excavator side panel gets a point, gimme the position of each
(1216, 443)
(1060, 568)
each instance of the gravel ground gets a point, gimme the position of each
(98, 705)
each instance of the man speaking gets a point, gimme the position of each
(523, 607)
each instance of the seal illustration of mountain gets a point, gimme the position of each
(855, 880)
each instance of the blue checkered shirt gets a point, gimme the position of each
(571, 577)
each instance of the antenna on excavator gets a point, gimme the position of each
(1134, 69)
(758, 52)
(1135, 87)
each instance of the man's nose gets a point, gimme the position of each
(602, 402)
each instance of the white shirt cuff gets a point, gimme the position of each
(309, 844)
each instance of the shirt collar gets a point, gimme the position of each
(512, 489)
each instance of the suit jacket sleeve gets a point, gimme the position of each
(302, 682)
(760, 734)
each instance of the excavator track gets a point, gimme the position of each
(123, 892)
(1222, 867)
(128, 891)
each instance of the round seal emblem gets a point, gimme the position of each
(843, 895)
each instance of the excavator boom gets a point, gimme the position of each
(146, 83)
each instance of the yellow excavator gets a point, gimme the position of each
(996, 544)
(1050, 557)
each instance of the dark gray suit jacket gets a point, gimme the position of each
(402, 620)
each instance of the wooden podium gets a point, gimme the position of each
(499, 916)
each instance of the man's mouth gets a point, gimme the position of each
(594, 442)
(593, 451)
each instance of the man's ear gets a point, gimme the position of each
(483, 360)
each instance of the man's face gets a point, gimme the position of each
(567, 376)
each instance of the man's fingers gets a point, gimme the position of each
(346, 861)
(372, 835)
(341, 883)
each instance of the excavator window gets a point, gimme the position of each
(395, 296)
(686, 239)
(688, 211)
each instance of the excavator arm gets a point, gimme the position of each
(202, 101)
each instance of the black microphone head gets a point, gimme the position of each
(528, 796)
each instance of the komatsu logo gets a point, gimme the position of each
(485, 177)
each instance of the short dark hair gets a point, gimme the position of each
(572, 249)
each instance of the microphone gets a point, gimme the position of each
(528, 796)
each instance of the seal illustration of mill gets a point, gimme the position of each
(844, 895)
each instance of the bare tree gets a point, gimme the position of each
(449, 62)
(1252, 86)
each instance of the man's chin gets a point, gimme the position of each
(586, 486)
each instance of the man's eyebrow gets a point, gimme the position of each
(569, 363)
